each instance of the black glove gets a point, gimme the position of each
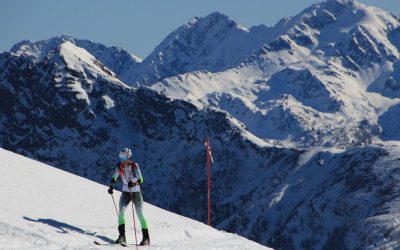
(110, 190)
(130, 184)
(112, 181)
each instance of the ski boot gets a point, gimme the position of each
(121, 237)
(146, 238)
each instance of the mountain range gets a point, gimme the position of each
(302, 118)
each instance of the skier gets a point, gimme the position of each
(131, 178)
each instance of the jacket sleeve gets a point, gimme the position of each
(138, 173)
(115, 175)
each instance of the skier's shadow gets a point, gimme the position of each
(65, 228)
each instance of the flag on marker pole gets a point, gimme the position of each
(208, 150)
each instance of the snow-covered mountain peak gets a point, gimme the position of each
(116, 59)
(335, 17)
(347, 33)
(215, 26)
(212, 43)
(343, 1)
(335, 3)
(219, 21)
(215, 20)
(214, 23)
(39, 49)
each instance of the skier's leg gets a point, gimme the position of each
(123, 203)
(138, 201)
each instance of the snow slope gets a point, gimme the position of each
(46, 208)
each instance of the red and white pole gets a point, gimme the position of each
(209, 189)
(209, 159)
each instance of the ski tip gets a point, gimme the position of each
(104, 243)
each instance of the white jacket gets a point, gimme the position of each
(130, 172)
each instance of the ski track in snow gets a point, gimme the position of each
(46, 208)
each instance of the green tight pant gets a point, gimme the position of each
(137, 201)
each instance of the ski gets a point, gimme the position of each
(129, 244)
(116, 244)
(110, 244)
(132, 244)
(104, 244)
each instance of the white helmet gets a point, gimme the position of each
(125, 154)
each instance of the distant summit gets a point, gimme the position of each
(116, 59)
(212, 43)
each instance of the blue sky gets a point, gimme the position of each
(136, 25)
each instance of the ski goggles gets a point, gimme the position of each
(123, 158)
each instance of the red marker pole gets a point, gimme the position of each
(209, 189)
(209, 159)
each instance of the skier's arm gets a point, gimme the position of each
(113, 180)
(115, 175)
(138, 174)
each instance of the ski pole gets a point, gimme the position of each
(134, 221)
(116, 210)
